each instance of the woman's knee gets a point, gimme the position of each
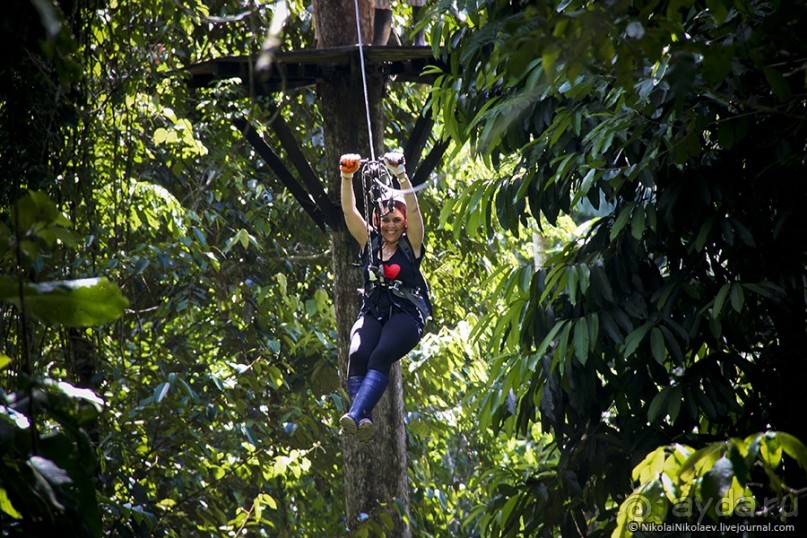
(407, 331)
(391, 349)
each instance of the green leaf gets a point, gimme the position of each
(548, 59)
(737, 297)
(650, 467)
(593, 330)
(718, 10)
(720, 299)
(243, 237)
(657, 345)
(793, 448)
(571, 284)
(37, 208)
(5, 360)
(563, 345)
(738, 461)
(599, 279)
(700, 461)
(675, 401)
(161, 391)
(771, 450)
(6, 506)
(658, 405)
(581, 340)
(584, 277)
(666, 403)
(74, 303)
(160, 136)
(703, 234)
(624, 215)
(637, 224)
(269, 501)
(553, 332)
(650, 504)
(48, 470)
(85, 395)
(717, 481)
(670, 488)
(634, 339)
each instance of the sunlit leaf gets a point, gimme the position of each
(7, 507)
(74, 303)
(794, 448)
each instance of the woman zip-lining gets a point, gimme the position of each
(396, 303)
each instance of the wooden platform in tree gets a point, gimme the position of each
(294, 69)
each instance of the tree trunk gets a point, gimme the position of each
(376, 481)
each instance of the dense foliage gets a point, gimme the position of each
(678, 316)
(620, 291)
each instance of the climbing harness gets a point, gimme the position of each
(413, 294)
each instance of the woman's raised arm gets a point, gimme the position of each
(414, 219)
(356, 224)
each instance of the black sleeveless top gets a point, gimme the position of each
(395, 283)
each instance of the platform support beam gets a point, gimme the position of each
(283, 173)
(331, 211)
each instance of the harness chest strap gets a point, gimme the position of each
(401, 290)
(412, 294)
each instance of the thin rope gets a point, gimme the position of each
(364, 82)
(367, 195)
(391, 191)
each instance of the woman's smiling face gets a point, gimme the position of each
(393, 225)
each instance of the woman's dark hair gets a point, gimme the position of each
(388, 206)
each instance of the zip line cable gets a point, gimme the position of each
(364, 81)
(373, 168)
